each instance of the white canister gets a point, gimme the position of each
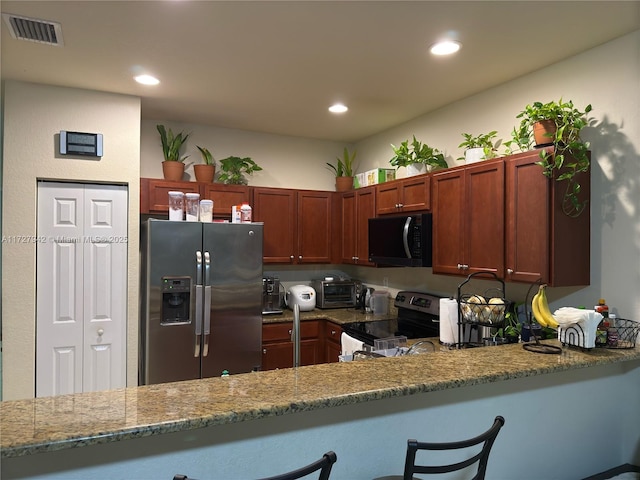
(245, 213)
(206, 210)
(192, 205)
(176, 206)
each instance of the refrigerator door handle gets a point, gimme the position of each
(207, 303)
(199, 302)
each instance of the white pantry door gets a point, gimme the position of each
(81, 282)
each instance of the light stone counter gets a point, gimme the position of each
(71, 421)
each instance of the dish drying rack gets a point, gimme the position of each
(575, 336)
(473, 316)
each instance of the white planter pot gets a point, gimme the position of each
(416, 169)
(474, 155)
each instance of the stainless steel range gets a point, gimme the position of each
(418, 317)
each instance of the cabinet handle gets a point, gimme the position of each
(292, 257)
(466, 267)
(509, 271)
(400, 205)
(100, 332)
(264, 351)
(299, 257)
(460, 266)
(333, 332)
(289, 331)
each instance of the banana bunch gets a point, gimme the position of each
(540, 308)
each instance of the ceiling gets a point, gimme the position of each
(275, 67)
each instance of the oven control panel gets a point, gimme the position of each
(419, 301)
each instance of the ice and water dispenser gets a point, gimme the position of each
(176, 299)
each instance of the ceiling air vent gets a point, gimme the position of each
(34, 30)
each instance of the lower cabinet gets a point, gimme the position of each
(319, 343)
(277, 347)
(332, 342)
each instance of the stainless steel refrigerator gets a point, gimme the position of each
(201, 312)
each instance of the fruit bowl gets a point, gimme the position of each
(483, 311)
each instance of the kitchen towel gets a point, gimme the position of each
(350, 344)
(448, 321)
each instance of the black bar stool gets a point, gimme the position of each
(324, 466)
(481, 458)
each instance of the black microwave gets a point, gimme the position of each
(401, 240)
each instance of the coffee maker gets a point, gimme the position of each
(272, 297)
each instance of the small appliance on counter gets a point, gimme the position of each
(272, 296)
(302, 295)
(334, 293)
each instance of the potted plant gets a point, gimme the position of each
(558, 124)
(480, 147)
(205, 172)
(512, 327)
(344, 170)
(173, 164)
(234, 170)
(418, 158)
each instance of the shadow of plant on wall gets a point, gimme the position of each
(619, 165)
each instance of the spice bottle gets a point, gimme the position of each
(602, 308)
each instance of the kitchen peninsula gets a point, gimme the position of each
(567, 416)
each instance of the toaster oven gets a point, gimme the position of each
(335, 293)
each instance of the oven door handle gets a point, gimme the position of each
(405, 237)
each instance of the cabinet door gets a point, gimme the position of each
(348, 238)
(314, 227)
(332, 339)
(527, 220)
(416, 194)
(225, 196)
(484, 212)
(448, 221)
(276, 207)
(411, 194)
(366, 209)
(154, 193)
(388, 197)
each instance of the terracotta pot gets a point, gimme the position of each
(544, 132)
(173, 170)
(344, 184)
(204, 173)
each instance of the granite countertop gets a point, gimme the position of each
(69, 421)
(336, 315)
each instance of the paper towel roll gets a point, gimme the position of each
(448, 321)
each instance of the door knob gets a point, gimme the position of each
(509, 271)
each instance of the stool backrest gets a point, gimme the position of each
(324, 465)
(485, 439)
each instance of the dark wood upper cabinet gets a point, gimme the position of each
(542, 243)
(412, 194)
(468, 219)
(297, 224)
(357, 207)
(154, 195)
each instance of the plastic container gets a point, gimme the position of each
(192, 206)
(206, 210)
(176, 206)
(245, 213)
(602, 308)
(380, 302)
(612, 332)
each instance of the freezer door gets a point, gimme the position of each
(233, 335)
(170, 346)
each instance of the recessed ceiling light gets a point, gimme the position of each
(338, 108)
(445, 48)
(146, 80)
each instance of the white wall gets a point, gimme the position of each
(608, 77)
(33, 116)
(287, 162)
